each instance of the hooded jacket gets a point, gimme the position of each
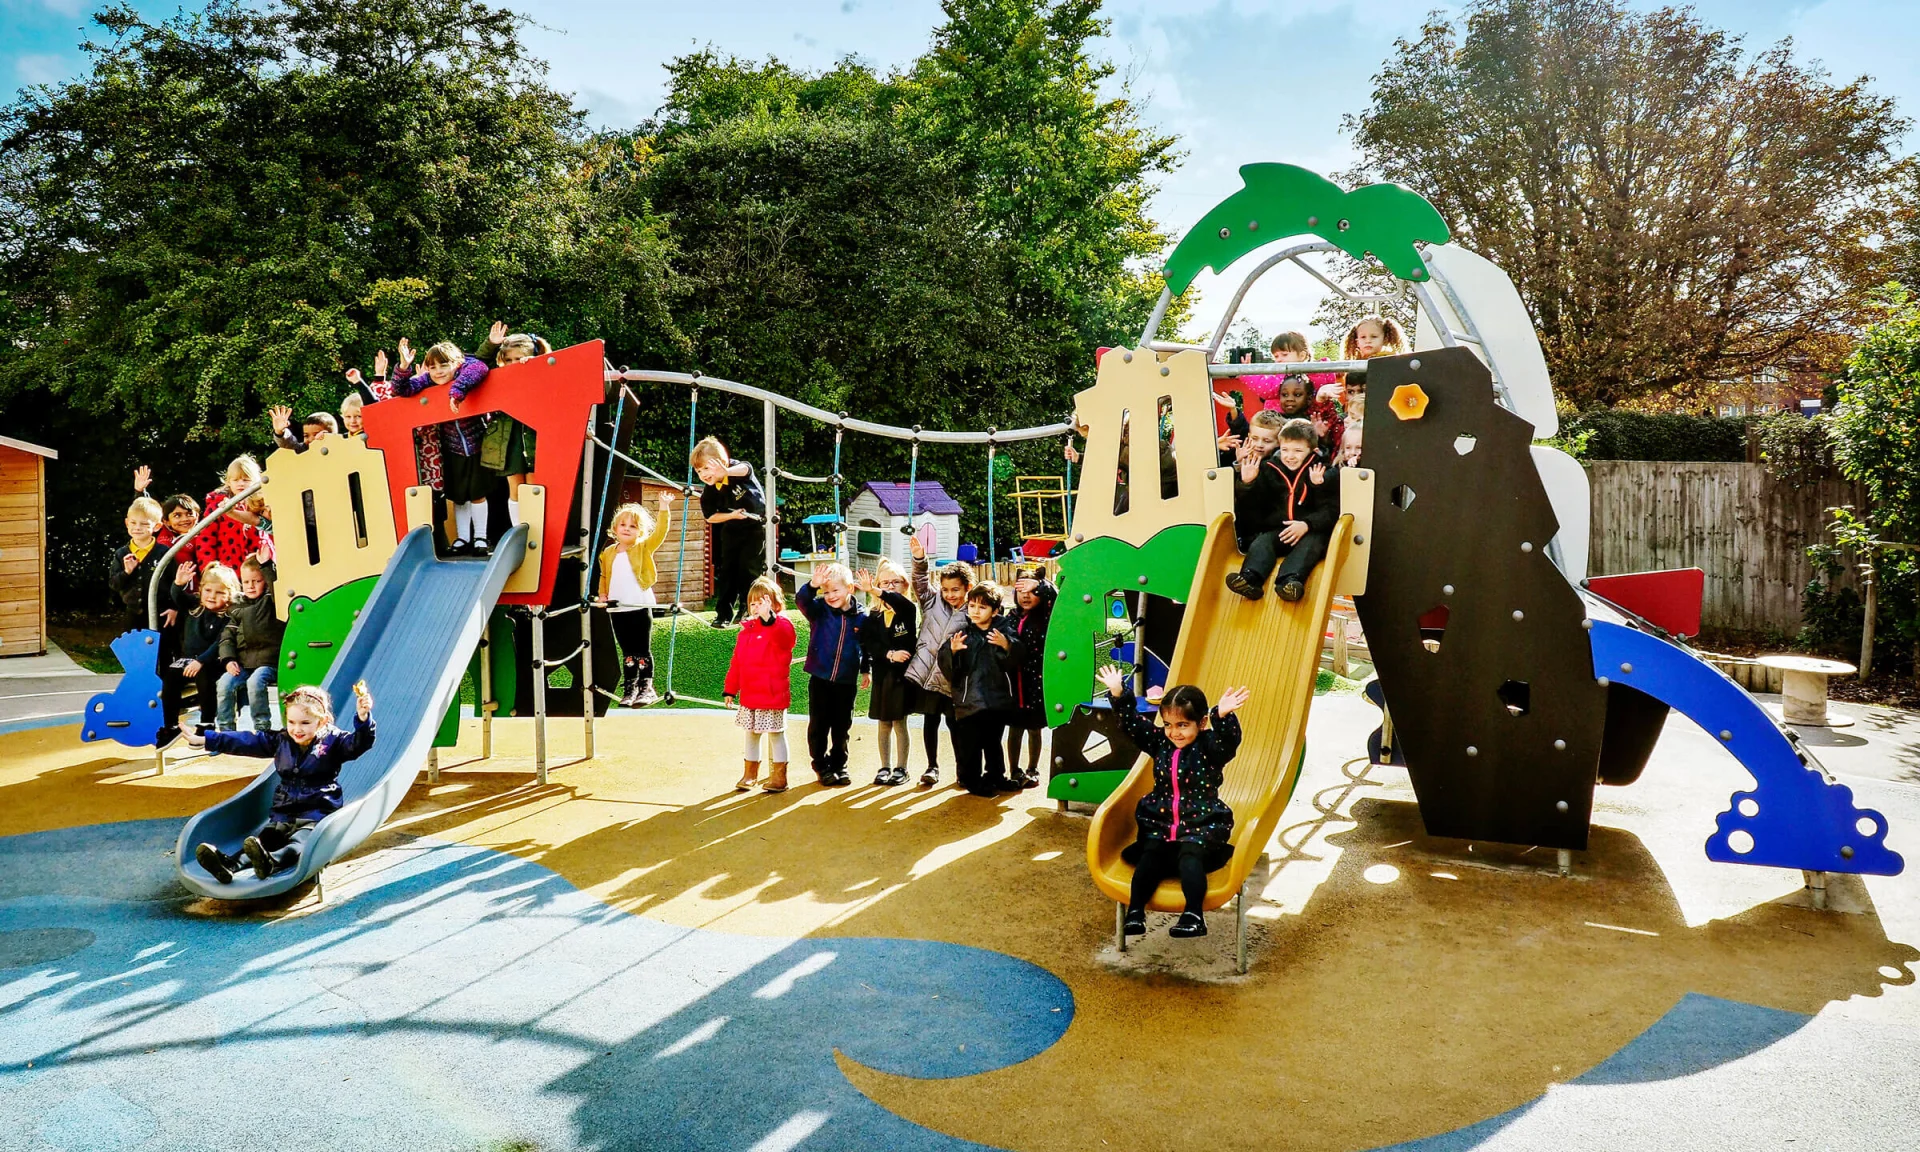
(760, 674)
(309, 787)
(937, 622)
(1184, 804)
(1030, 625)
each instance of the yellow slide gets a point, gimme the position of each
(1271, 646)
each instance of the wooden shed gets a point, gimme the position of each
(23, 547)
(688, 523)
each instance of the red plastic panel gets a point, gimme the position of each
(551, 394)
(1669, 599)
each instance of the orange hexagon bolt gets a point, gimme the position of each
(1409, 402)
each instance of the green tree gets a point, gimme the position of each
(1674, 210)
(235, 205)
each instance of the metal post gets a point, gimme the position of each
(1817, 885)
(1120, 926)
(1565, 861)
(771, 444)
(487, 704)
(993, 554)
(586, 590)
(540, 693)
(433, 765)
(1240, 929)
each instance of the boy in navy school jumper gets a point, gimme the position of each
(834, 620)
(308, 756)
(1283, 506)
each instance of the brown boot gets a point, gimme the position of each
(749, 778)
(776, 777)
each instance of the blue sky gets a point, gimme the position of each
(1236, 81)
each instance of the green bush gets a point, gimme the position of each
(1612, 434)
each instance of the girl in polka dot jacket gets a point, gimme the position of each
(1185, 828)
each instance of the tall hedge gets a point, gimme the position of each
(1618, 435)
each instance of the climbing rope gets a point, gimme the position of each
(600, 516)
(680, 579)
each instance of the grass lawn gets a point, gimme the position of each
(698, 654)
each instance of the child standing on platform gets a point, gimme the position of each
(979, 661)
(887, 642)
(1186, 830)
(627, 575)
(1033, 598)
(833, 667)
(464, 480)
(133, 562)
(308, 757)
(736, 510)
(942, 613)
(760, 682)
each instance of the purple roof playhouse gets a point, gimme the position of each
(928, 496)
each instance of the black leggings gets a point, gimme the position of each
(937, 706)
(1160, 859)
(633, 628)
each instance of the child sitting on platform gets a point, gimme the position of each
(308, 756)
(198, 663)
(250, 648)
(979, 661)
(1186, 830)
(942, 613)
(627, 575)
(833, 667)
(887, 641)
(760, 682)
(1281, 507)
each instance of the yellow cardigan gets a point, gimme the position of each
(640, 555)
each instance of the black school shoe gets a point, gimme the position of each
(1239, 585)
(883, 778)
(458, 549)
(1291, 590)
(1189, 925)
(834, 779)
(931, 777)
(1031, 778)
(218, 864)
(258, 856)
(480, 549)
(1136, 923)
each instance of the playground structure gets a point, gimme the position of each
(1511, 690)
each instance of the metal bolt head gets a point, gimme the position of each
(1126, 357)
(1587, 624)
(1313, 221)
(1073, 781)
(1212, 473)
(1253, 225)
(1225, 232)
(1086, 598)
(1726, 735)
(1165, 371)
(1143, 578)
(1559, 745)
(1079, 537)
(1446, 589)
(1344, 225)
(553, 360)
(1059, 761)
(1628, 668)
(1518, 615)
(1846, 851)
(1414, 364)
(1472, 751)
(1604, 682)
(1526, 545)
(1560, 806)
(1062, 654)
(1059, 708)
(1359, 539)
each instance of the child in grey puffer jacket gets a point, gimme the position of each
(943, 611)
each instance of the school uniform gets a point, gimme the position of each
(739, 553)
(981, 674)
(833, 680)
(130, 588)
(463, 478)
(200, 633)
(1263, 506)
(894, 626)
(1029, 710)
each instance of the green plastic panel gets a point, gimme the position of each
(1163, 565)
(1086, 787)
(316, 631)
(1281, 200)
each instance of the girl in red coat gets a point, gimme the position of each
(760, 682)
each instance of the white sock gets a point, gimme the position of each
(479, 510)
(513, 510)
(463, 521)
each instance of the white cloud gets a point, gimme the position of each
(41, 68)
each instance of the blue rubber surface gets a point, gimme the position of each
(131, 713)
(1796, 816)
(411, 644)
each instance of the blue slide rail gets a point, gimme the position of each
(411, 644)
(1796, 816)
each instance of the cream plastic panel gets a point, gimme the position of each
(1133, 382)
(342, 547)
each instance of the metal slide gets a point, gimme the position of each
(1272, 647)
(411, 645)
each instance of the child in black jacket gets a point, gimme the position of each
(979, 662)
(308, 757)
(203, 620)
(1185, 828)
(887, 642)
(1282, 507)
(134, 561)
(1033, 597)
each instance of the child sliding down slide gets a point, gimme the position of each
(308, 755)
(1185, 828)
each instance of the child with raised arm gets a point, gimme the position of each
(833, 667)
(627, 574)
(1282, 507)
(1033, 597)
(236, 534)
(736, 510)
(250, 648)
(131, 569)
(504, 348)
(760, 682)
(887, 643)
(308, 756)
(464, 481)
(942, 613)
(1185, 829)
(202, 625)
(980, 661)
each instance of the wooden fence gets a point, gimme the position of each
(1748, 532)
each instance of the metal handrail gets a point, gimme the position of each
(1297, 368)
(923, 435)
(166, 561)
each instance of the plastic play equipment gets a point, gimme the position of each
(410, 644)
(1513, 690)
